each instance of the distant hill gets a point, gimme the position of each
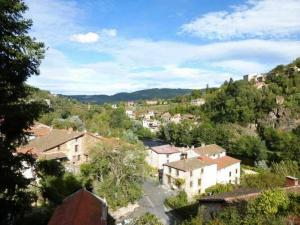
(155, 93)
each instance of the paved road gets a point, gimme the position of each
(153, 201)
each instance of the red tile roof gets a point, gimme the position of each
(39, 130)
(225, 161)
(80, 208)
(165, 149)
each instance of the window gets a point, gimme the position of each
(76, 139)
(78, 157)
(169, 180)
(58, 147)
(168, 161)
(191, 173)
(202, 170)
(230, 174)
(236, 180)
(191, 184)
(167, 155)
(177, 173)
(170, 170)
(236, 171)
(199, 182)
(76, 148)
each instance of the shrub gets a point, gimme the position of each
(220, 188)
(177, 201)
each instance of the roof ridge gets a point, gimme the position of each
(77, 207)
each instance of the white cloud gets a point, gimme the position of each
(256, 18)
(54, 20)
(180, 65)
(130, 63)
(89, 37)
(109, 32)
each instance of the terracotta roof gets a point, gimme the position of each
(27, 150)
(165, 149)
(202, 161)
(80, 208)
(53, 139)
(225, 161)
(209, 150)
(189, 164)
(39, 129)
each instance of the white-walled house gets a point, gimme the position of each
(201, 168)
(176, 118)
(159, 155)
(212, 151)
(198, 101)
(130, 114)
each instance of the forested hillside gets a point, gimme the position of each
(260, 123)
(155, 93)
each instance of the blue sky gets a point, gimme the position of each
(111, 46)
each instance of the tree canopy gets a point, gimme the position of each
(20, 57)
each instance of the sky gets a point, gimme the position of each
(112, 46)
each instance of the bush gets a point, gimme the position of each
(179, 182)
(220, 188)
(177, 201)
(262, 181)
(147, 219)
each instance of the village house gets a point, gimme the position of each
(151, 102)
(130, 103)
(258, 79)
(198, 101)
(165, 117)
(38, 130)
(212, 151)
(81, 208)
(159, 155)
(152, 125)
(201, 168)
(149, 115)
(69, 146)
(130, 114)
(176, 118)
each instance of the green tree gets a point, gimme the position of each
(118, 169)
(262, 180)
(266, 207)
(146, 219)
(250, 146)
(177, 201)
(19, 59)
(55, 184)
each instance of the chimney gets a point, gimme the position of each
(291, 181)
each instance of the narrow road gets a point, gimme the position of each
(153, 201)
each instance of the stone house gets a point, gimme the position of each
(69, 146)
